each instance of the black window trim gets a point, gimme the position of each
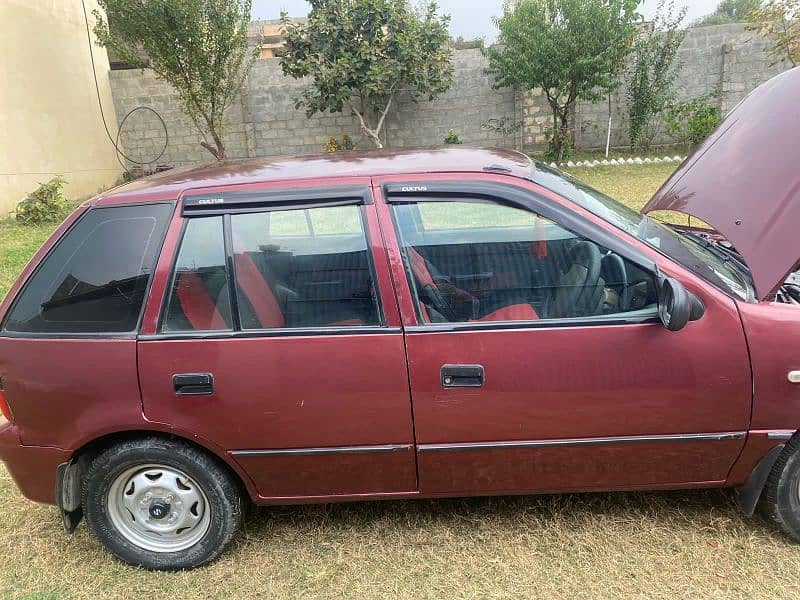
(247, 202)
(274, 201)
(122, 335)
(515, 197)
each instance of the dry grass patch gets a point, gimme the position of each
(660, 545)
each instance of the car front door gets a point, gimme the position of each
(536, 358)
(279, 341)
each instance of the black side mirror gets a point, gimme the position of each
(677, 305)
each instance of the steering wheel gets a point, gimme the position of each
(578, 291)
(615, 276)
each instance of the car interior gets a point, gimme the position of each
(476, 274)
(518, 273)
(282, 281)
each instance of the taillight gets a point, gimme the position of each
(3, 404)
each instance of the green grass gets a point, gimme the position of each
(658, 545)
(17, 245)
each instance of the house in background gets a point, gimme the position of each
(50, 122)
(269, 33)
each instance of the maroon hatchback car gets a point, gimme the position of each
(411, 324)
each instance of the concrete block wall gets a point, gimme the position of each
(263, 121)
(724, 59)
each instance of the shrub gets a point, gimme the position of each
(45, 205)
(452, 137)
(333, 145)
(691, 121)
(653, 70)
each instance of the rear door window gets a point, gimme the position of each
(199, 297)
(304, 268)
(96, 278)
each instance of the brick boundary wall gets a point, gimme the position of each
(724, 59)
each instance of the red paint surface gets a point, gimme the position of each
(744, 181)
(289, 392)
(353, 390)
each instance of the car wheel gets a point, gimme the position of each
(781, 499)
(161, 504)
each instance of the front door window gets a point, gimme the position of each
(477, 261)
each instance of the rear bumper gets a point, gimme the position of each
(32, 467)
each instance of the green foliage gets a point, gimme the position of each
(198, 46)
(45, 205)
(333, 145)
(691, 121)
(729, 11)
(652, 74)
(361, 53)
(779, 20)
(452, 138)
(571, 49)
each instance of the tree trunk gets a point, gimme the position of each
(374, 135)
(564, 132)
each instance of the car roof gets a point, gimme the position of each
(168, 185)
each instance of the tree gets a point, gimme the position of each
(729, 11)
(198, 46)
(780, 20)
(360, 54)
(568, 48)
(652, 74)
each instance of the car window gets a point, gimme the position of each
(303, 268)
(481, 262)
(95, 279)
(664, 238)
(199, 297)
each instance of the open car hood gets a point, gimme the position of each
(744, 181)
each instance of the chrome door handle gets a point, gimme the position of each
(193, 384)
(794, 376)
(462, 376)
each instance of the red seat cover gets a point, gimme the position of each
(515, 312)
(197, 305)
(348, 323)
(539, 247)
(259, 293)
(419, 268)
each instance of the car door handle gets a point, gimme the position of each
(193, 384)
(462, 376)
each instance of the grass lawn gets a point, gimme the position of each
(660, 545)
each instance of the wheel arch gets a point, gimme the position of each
(750, 492)
(69, 476)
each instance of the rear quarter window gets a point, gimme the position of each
(95, 279)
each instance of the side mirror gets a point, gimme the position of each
(677, 305)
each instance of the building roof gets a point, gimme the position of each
(450, 159)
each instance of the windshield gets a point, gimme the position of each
(697, 255)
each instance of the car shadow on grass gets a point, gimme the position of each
(696, 512)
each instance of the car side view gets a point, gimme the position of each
(408, 324)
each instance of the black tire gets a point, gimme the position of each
(781, 498)
(224, 501)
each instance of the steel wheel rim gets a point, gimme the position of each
(158, 508)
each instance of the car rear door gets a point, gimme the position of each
(279, 341)
(519, 384)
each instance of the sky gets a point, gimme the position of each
(471, 18)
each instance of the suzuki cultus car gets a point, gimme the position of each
(411, 324)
